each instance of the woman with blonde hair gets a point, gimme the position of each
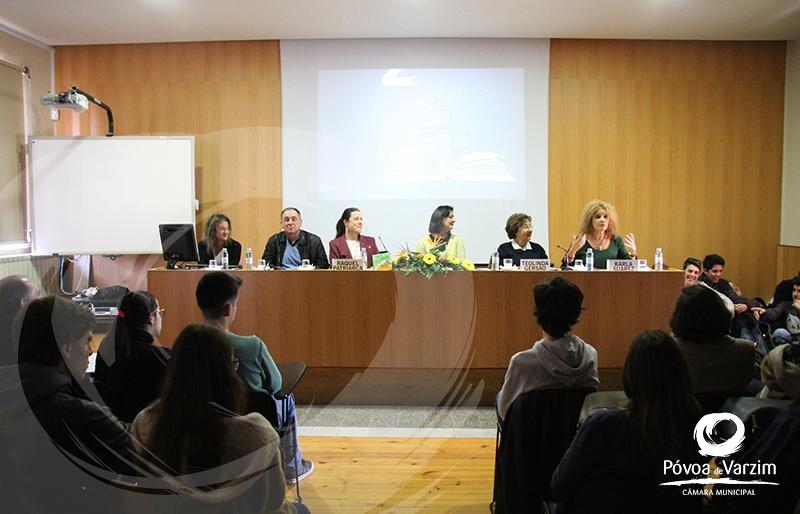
(598, 231)
(218, 236)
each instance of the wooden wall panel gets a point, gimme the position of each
(684, 137)
(227, 94)
(788, 262)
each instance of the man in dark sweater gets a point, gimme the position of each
(289, 247)
(743, 322)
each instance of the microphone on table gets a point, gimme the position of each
(384, 246)
(564, 263)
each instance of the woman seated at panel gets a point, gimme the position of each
(130, 363)
(349, 241)
(440, 234)
(717, 362)
(218, 236)
(598, 231)
(194, 436)
(520, 229)
(560, 360)
(616, 461)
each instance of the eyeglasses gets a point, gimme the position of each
(235, 364)
(161, 312)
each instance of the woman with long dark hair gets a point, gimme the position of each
(617, 458)
(218, 236)
(194, 433)
(440, 234)
(130, 363)
(349, 241)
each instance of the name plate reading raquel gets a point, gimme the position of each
(534, 264)
(621, 265)
(347, 265)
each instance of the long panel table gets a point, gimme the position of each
(371, 319)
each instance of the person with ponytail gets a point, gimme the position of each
(130, 363)
(195, 437)
(349, 241)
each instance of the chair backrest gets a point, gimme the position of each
(263, 403)
(538, 429)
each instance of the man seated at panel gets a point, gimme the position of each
(217, 296)
(288, 248)
(15, 293)
(560, 360)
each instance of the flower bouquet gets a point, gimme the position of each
(429, 263)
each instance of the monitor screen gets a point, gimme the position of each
(178, 243)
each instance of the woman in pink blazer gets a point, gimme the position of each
(349, 241)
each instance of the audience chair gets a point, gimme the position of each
(266, 405)
(538, 429)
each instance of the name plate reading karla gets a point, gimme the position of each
(621, 265)
(534, 264)
(347, 265)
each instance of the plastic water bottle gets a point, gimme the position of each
(248, 259)
(659, 260)
(224, 258)
(363, 258)
(589, 259)
(495, 264)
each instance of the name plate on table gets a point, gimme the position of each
(534, 264)
(347, 264)
(621, 265)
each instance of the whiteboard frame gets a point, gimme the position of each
(36, 244)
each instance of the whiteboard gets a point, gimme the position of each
(107, 195)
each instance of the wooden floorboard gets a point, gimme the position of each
(371, 475)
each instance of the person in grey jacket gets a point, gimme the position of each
(560, 360)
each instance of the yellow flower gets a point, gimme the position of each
(468, 265)
(454, 260)
(429, 259)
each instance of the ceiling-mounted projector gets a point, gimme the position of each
(66, 100)
(78, 100)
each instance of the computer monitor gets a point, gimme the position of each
(178, 243)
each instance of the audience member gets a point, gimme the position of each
(691, 271)
(130, 363)
(560, 359)
(217, 296)
(783, 291)
(616, 460)
(784, 318)
(717, 362)
(520, 229)
(194, 434)
(289, 247)
(440, 234)
(54, 336)
(713, 267)
(15, 292)
(218, 236)
(780, 373)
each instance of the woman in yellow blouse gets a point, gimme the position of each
(440, 234)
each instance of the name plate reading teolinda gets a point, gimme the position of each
(347, 264)
(621, 265)
(534, 264)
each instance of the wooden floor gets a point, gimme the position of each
(354, 475)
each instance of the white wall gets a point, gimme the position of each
(790, 207)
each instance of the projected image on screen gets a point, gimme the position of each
(421, 133)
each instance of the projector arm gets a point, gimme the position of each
(99, 103)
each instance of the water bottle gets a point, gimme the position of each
(248, 260)
(495, 264)
(589, 259)
(224, 258)
(659, 260)
(363, 258)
